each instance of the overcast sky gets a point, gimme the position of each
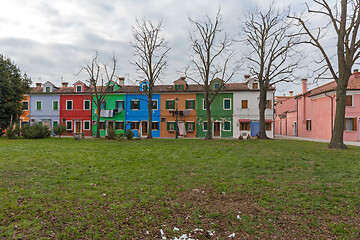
(50, 40)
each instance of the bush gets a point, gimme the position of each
(10, 133)
(111, 133)
(36, 130)
(120, 136)
(129, 134)
(17, 130)
(59, 129)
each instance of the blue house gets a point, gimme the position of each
(136, 112)
(45, 105)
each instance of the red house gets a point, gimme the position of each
(75, 108)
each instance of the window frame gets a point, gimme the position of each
(22, 105)
(123, 104)
(136, 124)
(308, 125)
(229, 130)
(36, 107)
(247, 104)
(244, 126)
(53, 123)
(270, 126)
(76, 88)
(84, 102)
(71, 123)
(193, 126)
(100, 125)
(157, 104)
(203, 126)
(187, 104)
(72, 106)
(352, 101)
(167, 105)
(122, 126)
(84, 123)
(158, 126)
(132, 105)
(268, 104)
(226, 99)
(47, 88)
(256, 84)
(354, 121)
(57, 105)
(168, 126)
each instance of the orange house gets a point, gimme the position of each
(24, 117)
(177, 96)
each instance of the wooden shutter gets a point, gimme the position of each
(354, 127)
(348, 100)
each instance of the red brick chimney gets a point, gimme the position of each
(121, 81)
(64, 84)
(291, 93)
(304, 85)
(38, 84)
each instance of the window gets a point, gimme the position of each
(145, 87)
(119, 105)
(348, 101)
(268, 126)
(244, 126)
(217, 85)
(119, 125)
(55, 105)
(190, 126)
(155, 125)
(134, 125)
(308, 125)
(47, 89)
(86, 104)
(227, 104)
(179, 87)
(227, 126)
(25, 105)
(255, 85)
(171, 126)
(154, 104)
(205, 126)
(204, 106)
(170, 104)
(350, 124)
(135, 105)
(190, 104)
(268, 104)
(244, 104)
(55, 123)
(68, 125)
(86, 125)
(69, 105)
(102, 126)
(103, 105)
(78, 88)
(38, 105)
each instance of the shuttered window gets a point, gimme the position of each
(119, 125)
(350, 124)
(55, 105)
(244, 104)
(170, 104)
(190, 104)
(38, 105)
(268, 104)
(155, 125)
(348, 101)
(245, 126)
(190, 126)
(171, 126)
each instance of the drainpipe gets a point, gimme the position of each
(297, 117)
(332, 112)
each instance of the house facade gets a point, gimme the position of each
(44, 105)
(246, 110)
(311, 114)
(75, 108)
(25, 115)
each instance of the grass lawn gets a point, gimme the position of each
(149, 189)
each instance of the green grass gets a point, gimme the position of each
(98, 189)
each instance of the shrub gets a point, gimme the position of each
(17, 130)
(59, 129)
(120, 136)
(36, 130)
(129, 134)
(111, 133)
(10, 133)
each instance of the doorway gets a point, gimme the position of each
(144, 128)
(217, 129)
(77, 127)
(110, 125)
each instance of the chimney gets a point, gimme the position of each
(356, 70)
(291, 93)
(246, 77)
(183, 78)
(121, 81)
(38, 84)
(304, 85)
(64, 84)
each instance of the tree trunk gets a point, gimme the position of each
(262, 107)
(149, 126)
(98, 122)
(337, 137)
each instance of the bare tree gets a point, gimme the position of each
(272, 55)
(344, 20)
(211, 58)
(150, 51)
(101, 79)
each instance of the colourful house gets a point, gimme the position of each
(25, 115)
(311, 114)
(75, 108)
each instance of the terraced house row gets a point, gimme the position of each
(234, 112)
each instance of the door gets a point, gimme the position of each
(254, 128)
(217, 129)
(144, 128)
(295, 128)
(110, 125)
(77, 127)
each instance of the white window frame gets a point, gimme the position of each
(84, 125)
(203, 126)
(193, 123)
(133, 105)
(171, 130)
(204, 104)
(53, 105)
(85, 105)
(67, 125)
(46, 88)
(37, 105)
(72, 104)
(123, 104)
(158, 125)
(224, 104)
(223, 125)
(157, 104)
(76, 87)
(191, 100)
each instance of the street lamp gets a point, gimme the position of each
(176, 114)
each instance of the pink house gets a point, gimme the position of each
(311, 114)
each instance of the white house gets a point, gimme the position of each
(246, 110)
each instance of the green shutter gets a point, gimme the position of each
(176, 87)
(167, 126)
(186, 126)
(186, 105)
(55, 124)
(38, 105)
(193, 126)
(173, 101)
